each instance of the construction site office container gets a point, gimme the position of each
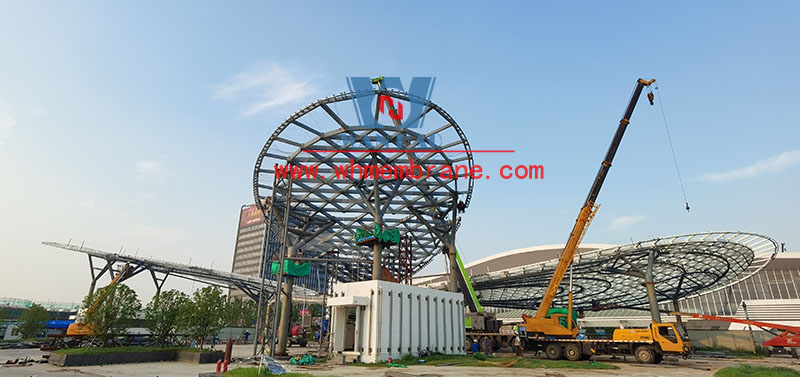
(374, 320)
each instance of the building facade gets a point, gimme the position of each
(249, 245)
(13, 308)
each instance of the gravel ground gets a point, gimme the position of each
(695, 367)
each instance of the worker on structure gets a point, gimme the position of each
(461, 206)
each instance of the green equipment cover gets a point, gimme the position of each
(391, 236)
(292, 268)
(563, 321)
(303, 360)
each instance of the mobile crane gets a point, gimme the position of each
(79, 328)
(556, 333)
(543, 323)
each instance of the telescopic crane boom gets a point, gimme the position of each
(541, 323)
(785, 336)
(79, 327)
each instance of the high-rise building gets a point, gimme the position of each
(247, 251)
(249, 240)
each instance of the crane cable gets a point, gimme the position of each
(672, 148)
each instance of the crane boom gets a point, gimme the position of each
(586, 211)
(792, 329)
(80, 328)
(786, 339)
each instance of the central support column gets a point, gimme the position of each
(286, 310)
(651, 289)
(377, 248)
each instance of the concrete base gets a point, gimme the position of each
(200, 357)
(135, 357)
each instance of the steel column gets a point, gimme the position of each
(282, 255)
(650, 285)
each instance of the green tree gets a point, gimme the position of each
(117, 307)
(240, 313)
(205, 314)
(164, 313)
(32, 321)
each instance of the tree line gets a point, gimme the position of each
(171, 316)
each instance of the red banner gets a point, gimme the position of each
(250, 216)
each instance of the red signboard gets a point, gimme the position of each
(250, 216)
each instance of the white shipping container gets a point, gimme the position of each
(374, 320)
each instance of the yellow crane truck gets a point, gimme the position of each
(557, 335)
(647, 345)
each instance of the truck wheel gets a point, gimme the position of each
(793, 351)
(553, 352)
(659, 358)
(572, 352)
(645, 355)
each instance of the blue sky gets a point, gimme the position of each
(137, 124)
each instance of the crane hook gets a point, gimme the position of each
(650, 98)
(687, 207)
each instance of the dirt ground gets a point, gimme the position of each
(695, 367)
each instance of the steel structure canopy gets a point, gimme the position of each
(246, 283)
(684, 266)
(326, 208)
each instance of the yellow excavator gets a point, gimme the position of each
(79, 327)
(544, 322)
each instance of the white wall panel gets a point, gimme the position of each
(398, 319)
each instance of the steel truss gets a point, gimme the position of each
(101, 262)
(326, 210)
(679, 266)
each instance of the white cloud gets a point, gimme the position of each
(266, 87)
(773, 164)
(624, 222)
(7, 123)
(148, 171)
